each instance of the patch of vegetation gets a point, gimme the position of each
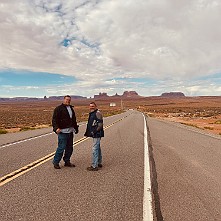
(192, 125)
(151, 115)
(2, 131)
(217, 122)
(209, 128)
(111, 113)
(27, 128)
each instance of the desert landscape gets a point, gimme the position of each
(202, 112)
(28, 115)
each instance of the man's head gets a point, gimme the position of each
(92, 106)
(67, 100)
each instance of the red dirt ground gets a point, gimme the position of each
(202, 112)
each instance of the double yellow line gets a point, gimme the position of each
(11, 176)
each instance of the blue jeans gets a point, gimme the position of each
(65, 144)
(96, 151)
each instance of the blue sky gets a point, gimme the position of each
(26, 78)
(85, 47)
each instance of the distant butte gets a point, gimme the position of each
(130, 94)
(101, 96)
(126, 94)
(173, 94)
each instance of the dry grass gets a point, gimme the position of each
(20, 116)
(200, 112)
(3, 131)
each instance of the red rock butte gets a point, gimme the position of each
(126, 94)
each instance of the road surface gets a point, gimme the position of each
(113, 193)
(185, 174)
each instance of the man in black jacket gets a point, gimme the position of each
(64, 124)
(96, 131)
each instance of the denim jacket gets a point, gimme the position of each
(95, 125)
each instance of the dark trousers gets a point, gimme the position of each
(65, 146)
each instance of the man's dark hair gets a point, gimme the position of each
(93, 103)
(67, 96)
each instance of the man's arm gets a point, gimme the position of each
(55, 120)
(76, 126)
(100, 120)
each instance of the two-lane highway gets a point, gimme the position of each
(113, 193)
(26, 147)
(184, 164)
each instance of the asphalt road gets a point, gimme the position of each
(185, 174)
(113, 193)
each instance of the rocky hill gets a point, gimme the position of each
(101, 96)
(62, 97)
(126, 94)
(52, 98)
(173, 94)
(130, 94)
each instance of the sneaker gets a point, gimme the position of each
(69, 164)
(92, 168)
(56, 166)
(100, 165)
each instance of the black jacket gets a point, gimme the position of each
(94, 126)
(61, 118)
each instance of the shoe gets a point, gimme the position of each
(56, 166)
(92, 168)
(100, 165)
(69, 164)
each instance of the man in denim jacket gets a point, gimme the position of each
(95, 130)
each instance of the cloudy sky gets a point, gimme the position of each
(83, 47)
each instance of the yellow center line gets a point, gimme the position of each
(11, 176)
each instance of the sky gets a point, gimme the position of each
(83, 47)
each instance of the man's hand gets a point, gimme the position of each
(58, 131)
(77, 130)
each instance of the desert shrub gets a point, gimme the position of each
(217, 122)
(192, 125)
(27, 128)
(151, 115)
(110, 113)
(2, 131)
(209, 128)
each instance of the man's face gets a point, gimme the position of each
(67, 101)
(92, 107)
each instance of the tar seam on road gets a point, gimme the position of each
(147, 197)
(11, 176)
(156, 198)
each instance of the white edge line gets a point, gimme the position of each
(21, 141)
(147, 197)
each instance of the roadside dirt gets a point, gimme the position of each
(201, 112)
(20, 116)
(212, 124)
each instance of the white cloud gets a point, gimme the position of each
(161, 39)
